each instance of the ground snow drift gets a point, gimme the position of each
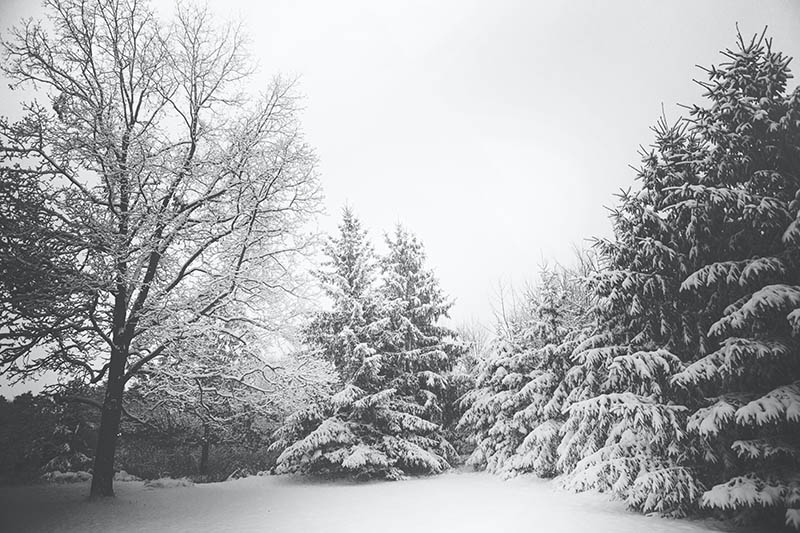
(168, 483)
(454, 502)
(66, 477)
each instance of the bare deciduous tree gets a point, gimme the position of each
(149, 203)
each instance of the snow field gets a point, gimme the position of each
(460, 502)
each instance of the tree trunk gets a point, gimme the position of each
(103, 474)
(204, 452)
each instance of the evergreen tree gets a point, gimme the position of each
(348, 280)
(415, 350)
(563, 310)
(476, 346)
(513, 411)
(386, 421)
(623, 431)
(691, 378)
(744, 207)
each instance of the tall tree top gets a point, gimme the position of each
(350, 260)
(413, 298)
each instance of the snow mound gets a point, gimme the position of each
(66, 477)
(124, 476)
(168, 483)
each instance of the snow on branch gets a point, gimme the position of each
(779, 405)
(766, 302)
(711, 420)
(733, 359)
(736, 273)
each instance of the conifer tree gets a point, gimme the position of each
(564, 310)
(623, 430)
(386, 421)
(702, 271)
(687, 392)
(513, 411)
(416, 350)
(744, 209)
(348, 279)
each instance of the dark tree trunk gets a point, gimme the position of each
(204, 452)
(103, 474)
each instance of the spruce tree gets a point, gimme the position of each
(691, 380)
(386, 421)
(495, 398)
(744, 214)
(563, 310)
(625, 427)
(348, 279)
(687, 391)
(513, 411)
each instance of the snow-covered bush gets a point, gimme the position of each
(124, 476)
(168, 483)
(57, 476)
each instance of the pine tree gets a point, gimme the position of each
(563, 310)
(624, 431)
(692, 377)
(415, 350)
(495, 399)
(386, 421)
(513, 412)
(744, 209)
(348, 279)
(476, 340)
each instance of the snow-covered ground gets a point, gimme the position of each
(458, 502)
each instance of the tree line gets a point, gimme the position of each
(676, 384)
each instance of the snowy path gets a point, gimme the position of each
(457, 502)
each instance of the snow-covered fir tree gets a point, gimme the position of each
(742, 211)
(387, 420)
(679, 390)
(623, 431)
(563, 310)
(691, 379)
(513, 412)
(413, 304)
(348, 278)
(476, 340)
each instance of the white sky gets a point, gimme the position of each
(496, 131)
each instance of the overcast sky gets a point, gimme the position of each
(497, 131)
